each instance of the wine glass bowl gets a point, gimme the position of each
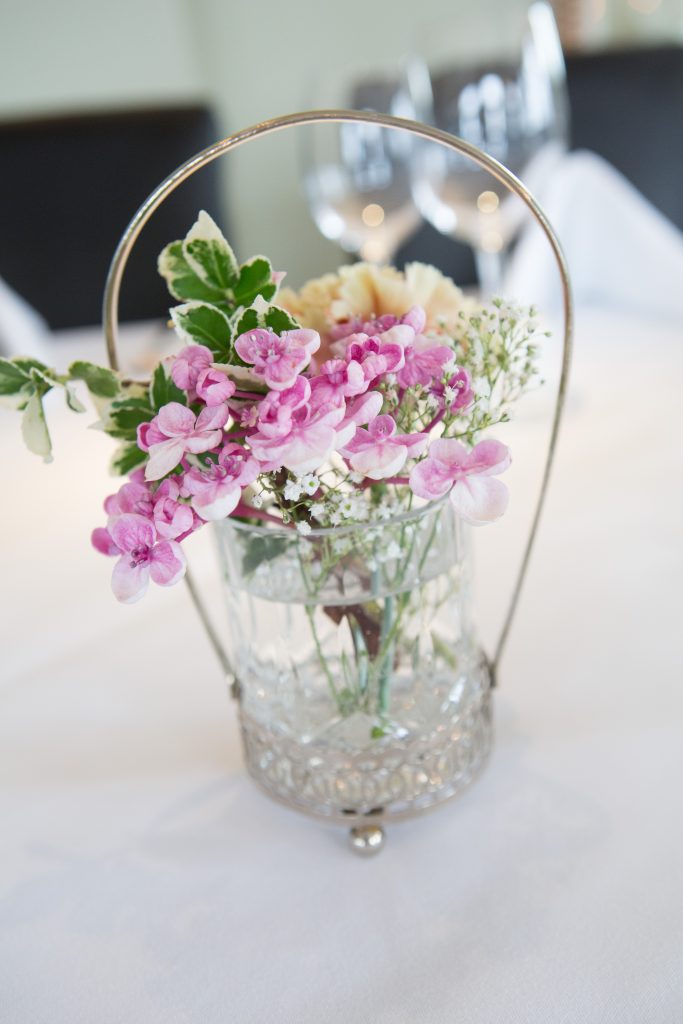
(357, 177)
(511, 103)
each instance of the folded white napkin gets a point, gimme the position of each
(622, 252)
(22, 330)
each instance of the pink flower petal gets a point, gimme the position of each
(212, 418)
(174, 420)
(167, 564)
(163, 458)
(380, 460)
(428, 480)
(449, 453)
(130, 532)
(129, 582)
(479, 499)
(488, 457)
(102, 541)
(222, 503)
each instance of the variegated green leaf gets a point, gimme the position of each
(209, 255)
(13, 379)
(72, 399)
(34, 428)
(183, 282)
(98, 379)
(201, 324)
(162, 390)
(279, 320)
(126, 458)
(255, 278)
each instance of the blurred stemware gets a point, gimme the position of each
(498, 82)
(357, 177)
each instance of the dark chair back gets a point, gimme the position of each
(70, 185)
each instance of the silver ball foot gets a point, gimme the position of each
(366, 840)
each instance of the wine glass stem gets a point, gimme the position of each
(490, 272)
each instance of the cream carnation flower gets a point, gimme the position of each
(365, 290)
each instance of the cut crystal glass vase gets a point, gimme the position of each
(362, 691)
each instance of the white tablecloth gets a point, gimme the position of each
(145, 879)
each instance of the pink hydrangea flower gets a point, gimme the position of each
(337, 377)
(423, 362)
(102, 541)
(188, 364)
(474, 494)
(175, 431)
(278, 360)
(214, 387)
(216, 488)
(361, 410)
(376, 356)
(380, 452)
(172, 519)
(456, 393)
(277, 408)
(142, 556)
(133, 496)
(303, 439)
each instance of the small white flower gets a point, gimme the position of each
(340, 546)
(317, 509)
(257, 500)
(390, 379)
(303, 528)
(347, 508)
(336, 518)
(356, 478)
(309, 483)
(393, 550)
(449, 395)
(292, 491)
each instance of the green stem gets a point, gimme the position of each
(310, 612)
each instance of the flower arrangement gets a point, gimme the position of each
(364, 394)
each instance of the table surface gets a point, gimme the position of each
(145, 879)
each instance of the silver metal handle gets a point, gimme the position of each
(501, 173)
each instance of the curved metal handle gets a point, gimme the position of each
(501, 173)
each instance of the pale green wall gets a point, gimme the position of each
(251, 60)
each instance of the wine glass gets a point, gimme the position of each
(357, 177)
(498, 82)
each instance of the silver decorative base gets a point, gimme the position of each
(393, 778)
(366, 840)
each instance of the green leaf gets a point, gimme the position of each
(162, 390)
(126, 458)
(28, 363)
(377, 732)
(98, 379)
(256, 278)
(13, 379)
(260, 314)
(246, 320)
(126, 416)
(260, 549)
(203, 324)
(44, 380)
(279, 320)
(72, 399)
(34, 428)
(182, 281)
(209, 255)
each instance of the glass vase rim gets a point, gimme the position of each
(342, 530)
